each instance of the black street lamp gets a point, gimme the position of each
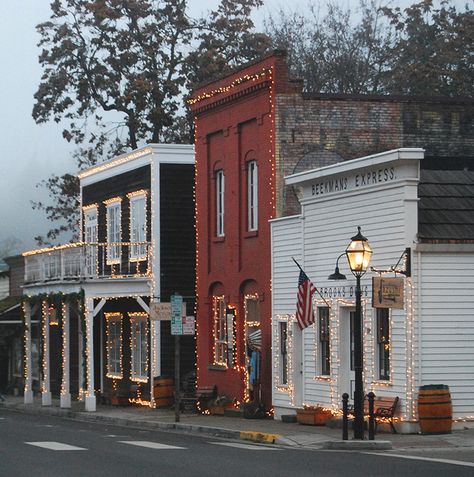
(358, 255)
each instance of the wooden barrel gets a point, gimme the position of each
(435, 411)
(163, 391)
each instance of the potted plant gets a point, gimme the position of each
(313, 415)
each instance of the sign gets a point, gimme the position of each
(160, 311)
(189, 325)
(388, 292)
(176, 315)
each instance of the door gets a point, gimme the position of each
(347, 375)
(298, 352)
(90, 237)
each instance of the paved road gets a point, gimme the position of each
(55, 447)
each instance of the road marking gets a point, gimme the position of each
(428, 459)
(115, 435)
(150, 445)
(57, 446)
(244, 446)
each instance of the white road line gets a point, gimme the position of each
(115, 435)
(151, 445)
(56, 446)
(244, 446)
(428, 459)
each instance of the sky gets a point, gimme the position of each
(31, 152)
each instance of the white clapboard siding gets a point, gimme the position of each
(447, 326)
(286, 243)
(327, 229)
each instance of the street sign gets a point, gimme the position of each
(189, 325)
(176, 315)
(160, 311)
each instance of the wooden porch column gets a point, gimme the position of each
(155, 370)
(90, 400)
(65, 399)
(28, 391)
(46, 385)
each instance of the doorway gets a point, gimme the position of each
(346, 351)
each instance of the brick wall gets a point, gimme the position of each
(308, 126)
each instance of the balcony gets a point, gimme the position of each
(88, 261)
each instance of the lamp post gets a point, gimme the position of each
(358, 255)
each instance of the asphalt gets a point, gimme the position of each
(258, 430)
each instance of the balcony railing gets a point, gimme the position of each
(88, 261)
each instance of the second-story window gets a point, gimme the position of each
(220, 203)
(138, 226)
(252, 196)
(114, 231)
(90, 237)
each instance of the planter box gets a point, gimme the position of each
(313, 417)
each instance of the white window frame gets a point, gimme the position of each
(114, 232)
(220, 331)
(139, 347)
(283, 371)
(138, 229)
(114, 345)
(91, 231)
(220, 189)
(252, 196)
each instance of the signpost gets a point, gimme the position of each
(176, 330)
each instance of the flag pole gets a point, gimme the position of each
(316, 288)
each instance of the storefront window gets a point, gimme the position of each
(323, 319)
(283, 352)
(220, 331)
(383, 343)
(114, 345)
(139, 328)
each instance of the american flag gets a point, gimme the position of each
(304, 305)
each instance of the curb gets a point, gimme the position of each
(357, 445)
(123, 422)
(259, 436)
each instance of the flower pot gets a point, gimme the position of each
(313, 417)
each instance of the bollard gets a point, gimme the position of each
(345, 433)
(371, 397)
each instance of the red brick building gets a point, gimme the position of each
(254, 127)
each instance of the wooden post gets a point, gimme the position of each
(46, 385)
(89, 317)
(177, 393)
(65, 399)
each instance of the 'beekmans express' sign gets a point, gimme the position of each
(361, 179)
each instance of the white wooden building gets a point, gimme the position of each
(431, 340)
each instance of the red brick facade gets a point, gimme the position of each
(258, 114)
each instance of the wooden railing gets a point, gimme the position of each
(88, 261)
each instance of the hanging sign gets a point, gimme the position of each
(388, 292)
(160, 311)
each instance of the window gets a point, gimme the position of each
(383, 343)
(90, 237)
(139, 330)
(220, 331)
(138, 227)
(114, 232)
(283, 352)
(220, 203)
(252, 196)
(114, 345)
(323, 319)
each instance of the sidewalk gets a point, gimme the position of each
(259, 430)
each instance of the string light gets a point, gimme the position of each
(64, 350)
(136, 252)
(115, 162)
(225, 89)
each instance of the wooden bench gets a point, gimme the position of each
(384, 410)
(193, 397)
